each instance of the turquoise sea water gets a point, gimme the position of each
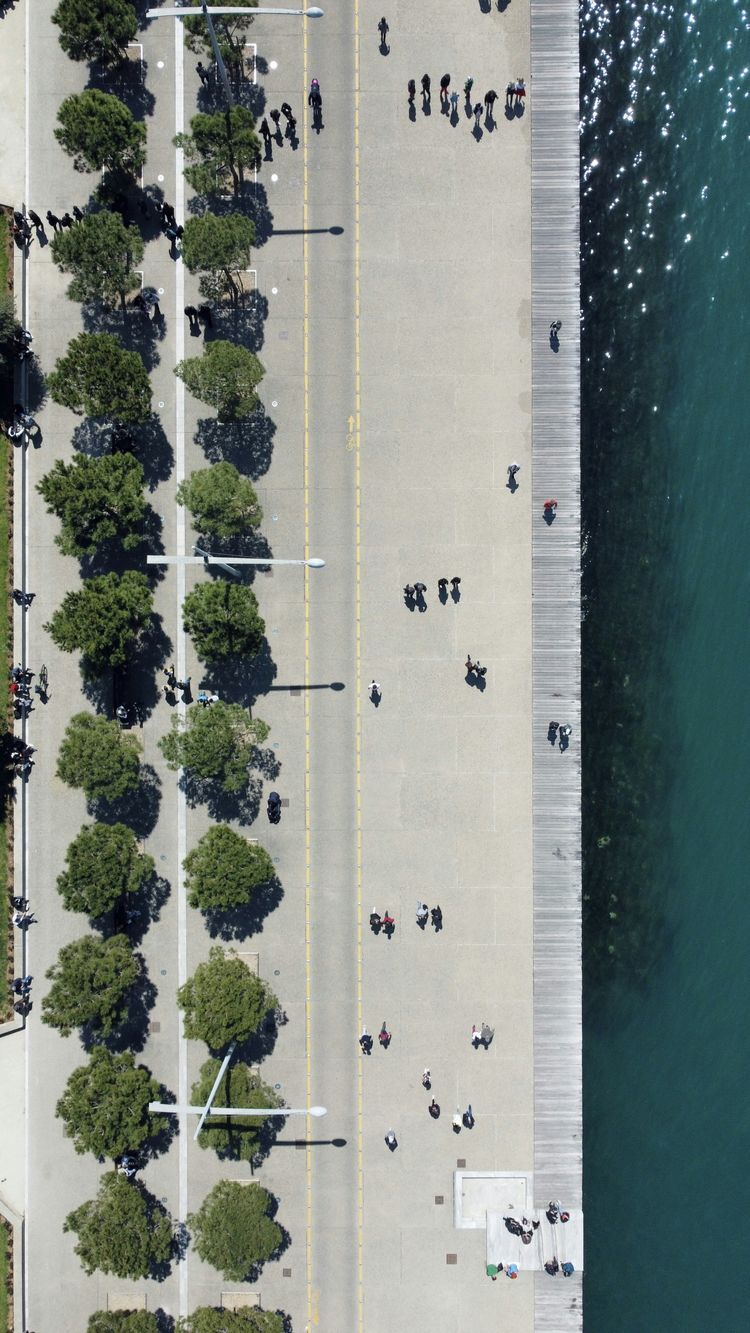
(666, 425)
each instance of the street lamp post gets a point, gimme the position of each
(202, 557)
(312, 12)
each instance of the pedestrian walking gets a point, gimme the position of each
(554, 334)
(391, 1140)
(454, 103)
(384, 1037)
(480, 670)
(490, 99)
(486, 1033)
(202, 73)
(19, 218)
(376, 922)
(444, 85)
(510, 92)
(476, 1036)
(286, 111)
(513, 471)
(22, 598)
(373, 690)
(411, 89)
(455, 583)
(426, 85)
(409, 592)
(469, 666)
(437, 918)
(565, 733)
(53, 220)
(168, 213)
(66, 220)
(365, 1041)
(468, 1118)
(37, 221)
(383, 30)
(389, 925)
(420, 589)
(205, 316)
(442, 585)
(477, 114)
(191, 313)
(467, 90)
(520, 91)
(426, 1080)
(423, 913)
(457, 1122)
(265, 132)
(550, 509)
(179, 232)
(276, 117)
(434, 1109)
(77, 213)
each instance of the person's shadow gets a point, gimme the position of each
(511, 483)
(456, 593)
(412, 113)
(549, 516)
(443, 596)
(454, 114)
(376, 697)
(520, 107)
(409, 602)
(478, 133)
(489, 121)
(384, 48)
(554, 340)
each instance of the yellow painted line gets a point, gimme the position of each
(355, 431)
(312, 1308)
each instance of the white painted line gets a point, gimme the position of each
(179, 442)
(25, 566)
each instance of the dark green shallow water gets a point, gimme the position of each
(666, 422)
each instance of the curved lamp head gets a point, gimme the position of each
(317, 1110)
(315, 563)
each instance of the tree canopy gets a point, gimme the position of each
(99, 757)
(225, 377)
(219, 149)
(124, 1230)
(104, 620)
(96, 29)
(99, 132)
(90, 982)
(105, 1105)
(224, 869)
(220, 249)
(222, 502)
(103, 863)
(235, 1137)
(223, 620)
(231, 35)
(97, 500)
(216, 744)
(122, 1321)
(207, 1319)
(99, 377)
(223, 1001)
(101, 253)
(232, 1229)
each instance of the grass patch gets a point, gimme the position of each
(5, 1303)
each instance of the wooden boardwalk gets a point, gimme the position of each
(556, 558)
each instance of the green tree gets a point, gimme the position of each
(220, 249)
(99, 377)
(99, 757)
(103, 863)
(124, 1230)
(222, 619)
(105, 1105)
(219, 149)
(96, 500)
(224, 869)
(216, 744)
(122, 1321)
(223, 1001)
(100, 253)
(104, 620)
(232, 1229)
(237, 1137)
(90, 982)
(225, 377)
(222, 502)
(99, 132)
(231, 34)
(207, 1319)
(96, 29)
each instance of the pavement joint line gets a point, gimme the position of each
(358, 665)
(311, 1312)
(180, 583)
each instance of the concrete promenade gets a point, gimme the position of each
(405, 341)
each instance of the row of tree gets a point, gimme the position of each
(206, 1319)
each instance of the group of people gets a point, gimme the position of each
(173, 683)
(414, 592)
(424, 913)
(515, 94)
(385, 923)
(20, 756)
(23, 423)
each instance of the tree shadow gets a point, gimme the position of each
(136, 912)
(242, 323)
(242, 681)
(139, 809)
(128, 82)
(224, 807)
(165, 1322)
(36, 384)
(247, 443)
(135, 330)
(169, 1128)
(250, 199)
(236, 923)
